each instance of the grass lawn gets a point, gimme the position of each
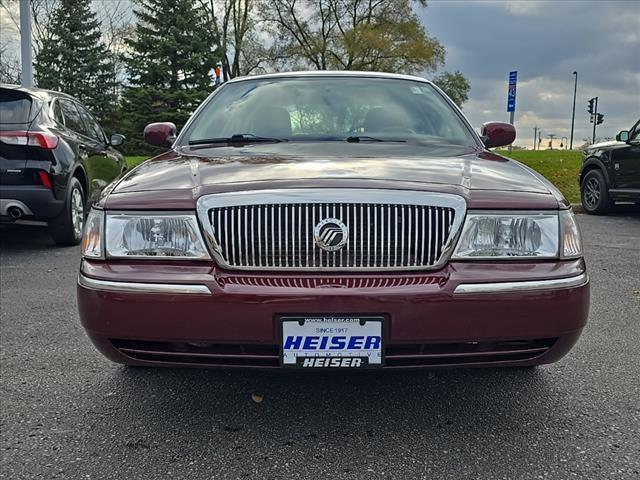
(133, 161)
(561, 167)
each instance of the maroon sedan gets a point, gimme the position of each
(332, 220)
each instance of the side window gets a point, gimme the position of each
(93, 129)
(57, 113)
(72, 117)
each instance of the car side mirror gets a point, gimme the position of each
(117, 139)
(623, 136)
(497, 134)
(160, 134)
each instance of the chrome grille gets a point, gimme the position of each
(278, 233)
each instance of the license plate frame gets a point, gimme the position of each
(364, 327)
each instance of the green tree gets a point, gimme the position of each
(172, 53)
(382, 35)
(74, 60)
(455, 85)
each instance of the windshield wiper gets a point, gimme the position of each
(238, 138)
(367, 138)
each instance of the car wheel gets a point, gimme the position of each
(66, 229)
(595, 193)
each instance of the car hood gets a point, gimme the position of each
(460, 170)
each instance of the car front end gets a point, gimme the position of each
(349, 256)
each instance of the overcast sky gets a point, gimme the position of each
(545, 42)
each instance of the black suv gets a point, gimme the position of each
(611, 172)
(54, 160)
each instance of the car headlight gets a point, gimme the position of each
(515, 235)
(148, 235)
(143, 235)
(570, 233)
(92, 245)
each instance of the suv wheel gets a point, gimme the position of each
(67, 228)
(595, 194)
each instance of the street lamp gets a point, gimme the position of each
(573, 115)
(563, 142)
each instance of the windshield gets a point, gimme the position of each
(330, 108)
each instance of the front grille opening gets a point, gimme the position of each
(281, 236)
(201, 353)
(396, 355)
(434, 354)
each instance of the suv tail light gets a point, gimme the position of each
(34, 139)
(45, 179)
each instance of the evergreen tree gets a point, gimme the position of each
(75, 60)
(170, 64)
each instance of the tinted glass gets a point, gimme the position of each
(93, 129)
(72, 117)
(331, 108)
(14, 107)
(57, 112)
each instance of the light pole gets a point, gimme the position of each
(573, 115)
(563, 142)
(25, 43)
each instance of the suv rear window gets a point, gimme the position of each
(14, 107)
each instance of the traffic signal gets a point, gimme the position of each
(590, 109)
(600, 119)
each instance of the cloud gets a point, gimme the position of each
(545, 42)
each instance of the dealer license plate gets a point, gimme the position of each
(332, 341)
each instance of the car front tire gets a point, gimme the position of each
(594, 193)
(67, 228)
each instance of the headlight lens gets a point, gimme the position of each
(571, 238)
(92, 235)
(496, 235)
(135, 235)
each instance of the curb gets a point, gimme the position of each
(577, 208)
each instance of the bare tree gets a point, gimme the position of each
(9, 67)
(235, 31)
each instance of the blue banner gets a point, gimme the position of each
(511, 93)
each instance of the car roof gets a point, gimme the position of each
(330, 73)
(39, 93)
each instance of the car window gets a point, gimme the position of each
(72, 118)
(14, 107)
(57, 113)
(331, 108)
(93, 129)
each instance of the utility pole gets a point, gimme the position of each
(594, 118)
(535, 137)
(573, 115)
(25, 43)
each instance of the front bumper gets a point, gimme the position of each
(467, 314)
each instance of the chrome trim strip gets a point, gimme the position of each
(131, 287)
(528, 285)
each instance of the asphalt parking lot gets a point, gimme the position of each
(68, 413)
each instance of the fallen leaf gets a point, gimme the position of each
(257, 397)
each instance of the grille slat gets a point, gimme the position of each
(381, 235)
